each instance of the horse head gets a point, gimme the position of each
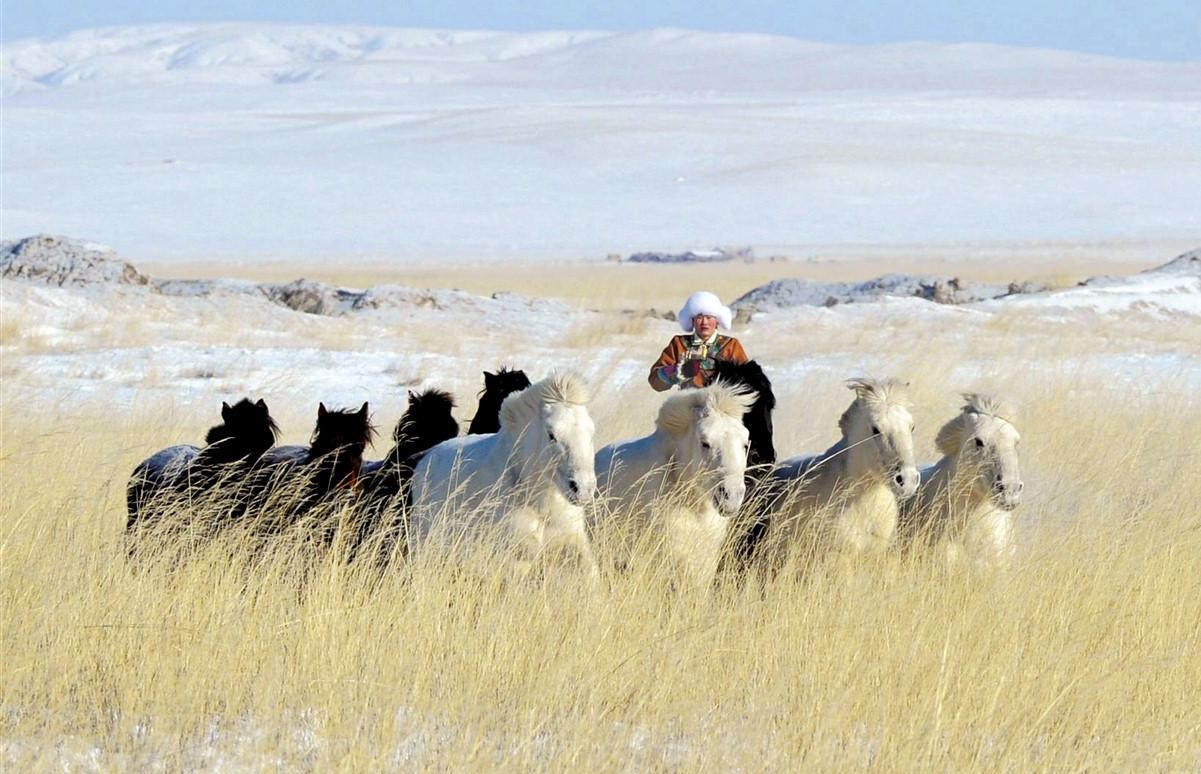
(983, 439)
(427, 421)
(339, 430)
(878, 430)
(246, 431)
(711, 443)
(555, 433)
(497, 387)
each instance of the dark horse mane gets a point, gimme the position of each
(426, 422)
(497, 387)
(760, 458)
(758, 419)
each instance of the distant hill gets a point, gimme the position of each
(247, 141)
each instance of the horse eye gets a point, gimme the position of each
(875, 430)
(551, 436)
(979, 443)
(705, 445)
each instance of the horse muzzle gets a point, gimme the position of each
(1008, 496)
(728, 500)
(579, 490)
(904, 482)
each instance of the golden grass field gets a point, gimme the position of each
(1086, 656)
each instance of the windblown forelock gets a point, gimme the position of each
(875, 395)
(565, 387)
(677, 413)
(992, 405)
(951, 437)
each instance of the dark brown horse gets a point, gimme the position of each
(427, 421)
(294, 479)
(497, 387)
(183, 473)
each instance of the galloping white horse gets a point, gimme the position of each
(529, 480)
(683, 481)
(855, 484)
(967, 498)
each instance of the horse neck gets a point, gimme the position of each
(858, 464)
(226, 447)
(949, 499)
(758, 423)
(677, 478)
(337, 468)
(487, 415)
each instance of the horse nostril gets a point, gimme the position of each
(900, 480)
(573, 486)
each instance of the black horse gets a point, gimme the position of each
(427, 422)
(757, 419)
(753, 521)
(497, 387)
(295, 479)
(233, 448)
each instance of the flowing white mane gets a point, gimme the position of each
(951, 436)
(678, 413)
(875, 394)
(560, 387)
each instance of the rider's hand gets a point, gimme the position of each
(690, 368)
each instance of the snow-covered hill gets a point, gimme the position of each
(253, 140)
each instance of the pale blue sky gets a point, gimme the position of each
(1146, 29)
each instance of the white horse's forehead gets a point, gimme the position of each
(716, 426)
(567, 415)
(895, 416)
(996, 427)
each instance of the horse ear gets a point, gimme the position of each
(321, 411)
(363, 410)
(225, 411)
(489, 378)
(412, 396)
(261, 404)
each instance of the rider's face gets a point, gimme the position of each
(704, 325)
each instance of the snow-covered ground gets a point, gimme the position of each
(245, 141)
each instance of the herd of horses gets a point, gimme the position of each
(703, 491)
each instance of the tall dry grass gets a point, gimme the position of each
(1087, 656)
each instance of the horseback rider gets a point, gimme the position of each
(688, 360)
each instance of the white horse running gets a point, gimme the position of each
(528, 481)
(682, 482)
(968, 497)
(854, 485)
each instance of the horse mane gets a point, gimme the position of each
(750, 374)
(560, 387)
(951, 437)
(677, 414)
(422, 405)
(875, 394)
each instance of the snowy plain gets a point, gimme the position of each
(241, 142)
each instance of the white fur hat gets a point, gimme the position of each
(704, 302)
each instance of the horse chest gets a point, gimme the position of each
(867, 521)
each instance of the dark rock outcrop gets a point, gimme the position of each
(57, 260)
